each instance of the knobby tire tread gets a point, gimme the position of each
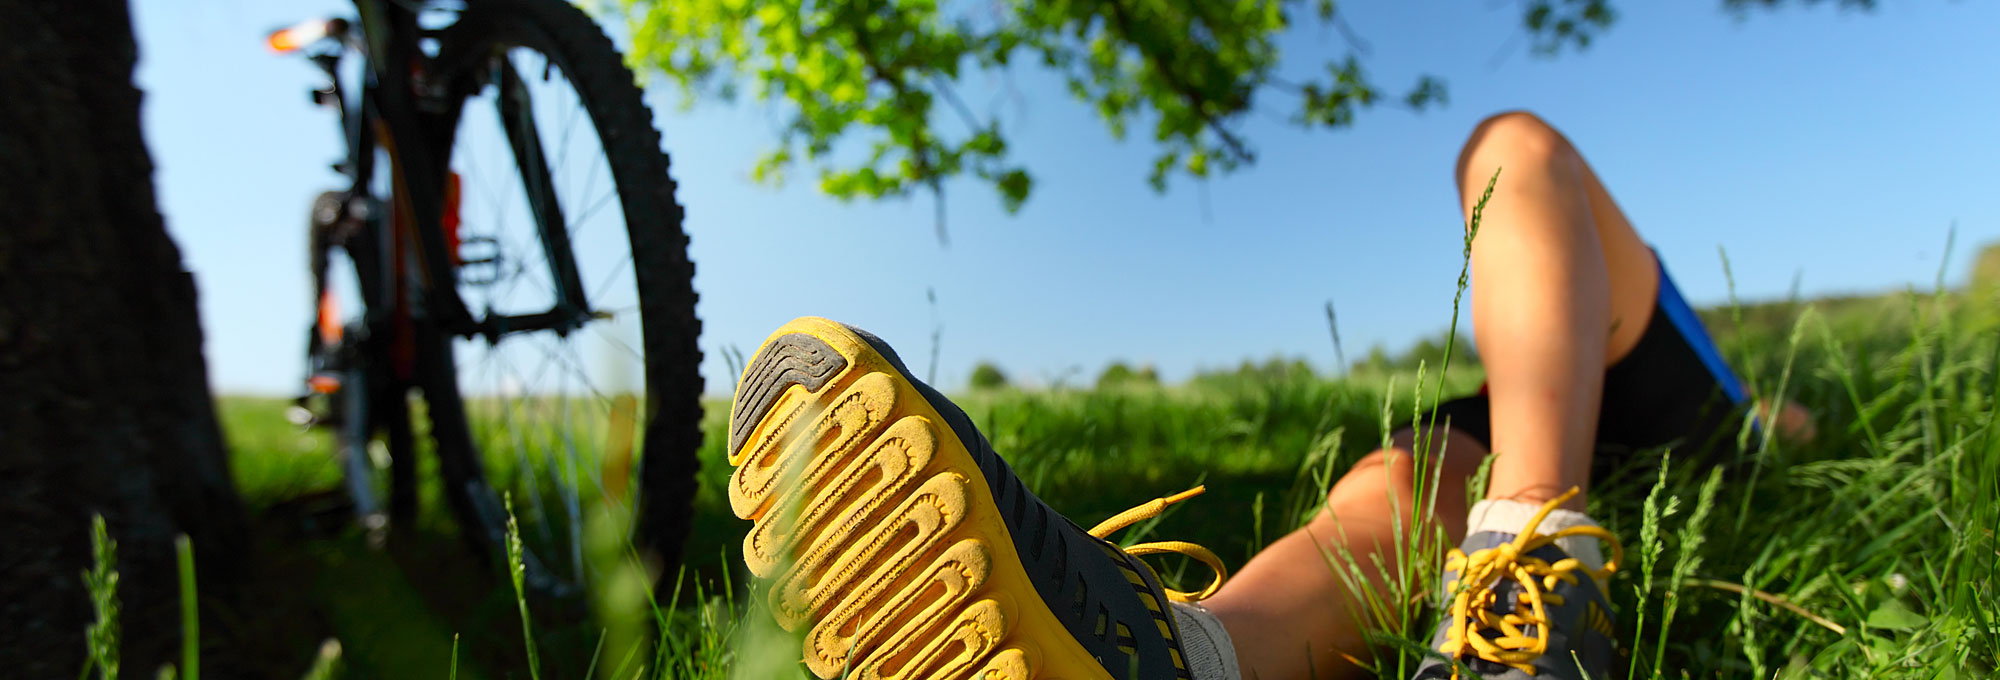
(672, 437)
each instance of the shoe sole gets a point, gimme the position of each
(874, 526)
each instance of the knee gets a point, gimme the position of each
(1365, 484)
(1515, 140)
(1453, 457)
(1393, 467)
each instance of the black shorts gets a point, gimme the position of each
(1672, 390)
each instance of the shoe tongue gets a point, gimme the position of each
(1486, 540)
(1493, 539)
(1509, 590)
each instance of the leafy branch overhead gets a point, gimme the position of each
(883, 73)
(870, 85)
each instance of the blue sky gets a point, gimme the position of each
(1831, 145)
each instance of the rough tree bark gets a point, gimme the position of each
(104, 401)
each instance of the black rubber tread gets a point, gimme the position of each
(795, 359)
(669, 328)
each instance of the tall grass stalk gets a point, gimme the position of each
(101, 637)
(190, 611)
(517, 573)
(1766, 410)
(1391, 618)
(326, 664)
(1651, 515)
(1686, 561)
(1339, 357)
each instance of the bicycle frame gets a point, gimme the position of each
(415, 119)
(406, 256)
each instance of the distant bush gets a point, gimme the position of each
(1270, 371)
(1118, 374)
(1986, 268)
(987, 376)
(1428, 351)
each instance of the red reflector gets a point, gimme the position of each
(450, 218)
(323, 384)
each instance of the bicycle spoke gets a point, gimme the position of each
(568, 490)
(521, 449)
(620, 344)
(552, 394)
(589, 182)
(610, 196)
(568, 130)
(598, 292)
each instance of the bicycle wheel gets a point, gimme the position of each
(563, 193)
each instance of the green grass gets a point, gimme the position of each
(1882, 528)
(101, 639)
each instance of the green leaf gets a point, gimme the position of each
(884, 76)
(1892, 615)
(1014, 187)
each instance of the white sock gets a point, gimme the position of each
(1510, 516)
(1205, 646)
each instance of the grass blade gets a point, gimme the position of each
(190, 611)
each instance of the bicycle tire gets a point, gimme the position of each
(383, 414)
(670, 419)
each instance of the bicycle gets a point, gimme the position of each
(439, 277)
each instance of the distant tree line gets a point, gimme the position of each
(1119, 374)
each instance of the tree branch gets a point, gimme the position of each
(951, 97)
(1197, 102)
(920, 146)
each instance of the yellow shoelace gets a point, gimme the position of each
(1475, 595)
(1152, 509)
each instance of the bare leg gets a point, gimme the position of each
(1287, 612)
(1564, 288)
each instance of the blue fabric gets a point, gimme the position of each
(1696, 335)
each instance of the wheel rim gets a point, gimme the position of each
(553, 416)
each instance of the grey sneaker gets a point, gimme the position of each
(1526, 609)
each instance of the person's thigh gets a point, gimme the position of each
(1534, 153)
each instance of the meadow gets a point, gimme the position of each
(1866, 552)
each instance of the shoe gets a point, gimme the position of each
(1519, 607)
(901, 546)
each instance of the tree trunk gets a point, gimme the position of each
(104, 401)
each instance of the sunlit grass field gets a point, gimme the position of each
(1868, 552)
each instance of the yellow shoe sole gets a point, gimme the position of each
(874, 527)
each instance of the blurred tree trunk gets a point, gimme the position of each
(104, 402)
